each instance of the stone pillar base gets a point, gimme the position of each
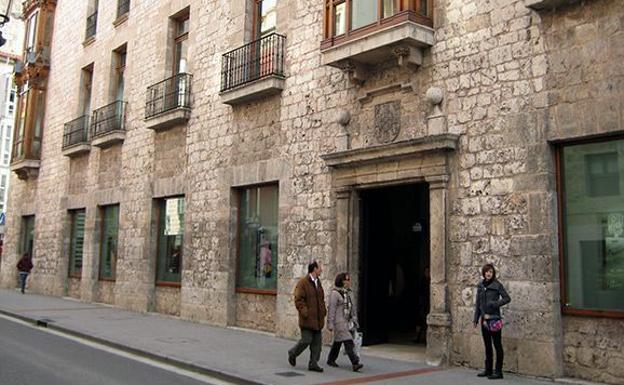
(438, 338)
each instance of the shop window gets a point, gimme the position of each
(28, 235)
(170, 240)
(592, 227)
(258, 238)
(77, 219)
(108, 241)
(603, 176)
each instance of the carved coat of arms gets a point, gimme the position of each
(387, 121)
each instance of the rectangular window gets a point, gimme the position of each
(258, 238)
(3, 181)
(123, 7)
(340, 18)
(363, 12)
(592, 226)
(85, 89)
(77, 218)
(28, 235)
(108, 241)
(266, 18)
(181, 45)
(170, 239)
(120, 69)
(388, 8)
(31, 32)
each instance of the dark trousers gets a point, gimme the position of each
(313, 339)
(22, 276)
(490, 338)
(349, 347)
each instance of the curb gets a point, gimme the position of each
(220, 375)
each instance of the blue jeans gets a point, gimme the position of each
(22, 277)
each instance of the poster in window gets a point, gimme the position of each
(614, 258)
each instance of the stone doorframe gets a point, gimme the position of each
(412, 161)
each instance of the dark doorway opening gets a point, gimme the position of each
(394, 265)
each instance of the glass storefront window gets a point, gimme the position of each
(108, 241)
(593, 225)
(363, 12)
(170, 239)
(77, 218)
(258, 238)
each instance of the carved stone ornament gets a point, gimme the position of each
(387, 121)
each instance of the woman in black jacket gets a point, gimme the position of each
(491, 295)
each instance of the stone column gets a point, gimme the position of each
(439, 318)
(342, 229)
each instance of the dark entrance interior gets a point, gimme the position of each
(394, 265)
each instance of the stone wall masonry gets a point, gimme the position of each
(512, 79)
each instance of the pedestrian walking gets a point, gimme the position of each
(24, 266)
(310, 303)
(491, 295)
(342, 321)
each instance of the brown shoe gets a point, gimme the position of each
(357, 367)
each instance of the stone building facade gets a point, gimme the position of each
(408, 152)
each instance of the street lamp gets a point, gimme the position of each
(4, 18)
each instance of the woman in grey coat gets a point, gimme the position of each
(342, 321)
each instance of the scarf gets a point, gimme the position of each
(347, 309)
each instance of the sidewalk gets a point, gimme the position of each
(230, 354)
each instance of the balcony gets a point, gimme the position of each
(168, 102)
(25, 168)
(91, 28)
(357, 41)
(76, 137)
(253, 71)
(108, 125)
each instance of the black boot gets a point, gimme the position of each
(485, 373)
(496, 376)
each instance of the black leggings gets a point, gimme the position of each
(349, 347)
(495, 338)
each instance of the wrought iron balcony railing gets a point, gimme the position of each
(76, 131)
(169, 94)
(91, 25)
(123, 7)
(253, 61)
(108, 119)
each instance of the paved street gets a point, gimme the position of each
(236, 355)
(31, 356)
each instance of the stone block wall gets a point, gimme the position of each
(512, 79)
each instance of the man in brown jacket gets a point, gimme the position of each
(310, 303)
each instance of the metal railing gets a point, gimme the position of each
(123, 7)
(253, 61)
(108, 118)
(76, 131)
(91, 25)
(169, 94)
